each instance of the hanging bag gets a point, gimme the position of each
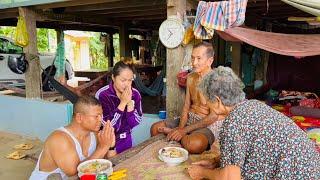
(21, 36)
(185, 67)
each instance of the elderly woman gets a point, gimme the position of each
(256, 141)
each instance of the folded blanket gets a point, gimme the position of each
(305, 111)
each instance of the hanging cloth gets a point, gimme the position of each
(154, 89)
(60, 58)
(300, 45)
(220, 15)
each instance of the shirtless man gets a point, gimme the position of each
(195, 117)
(81, 140)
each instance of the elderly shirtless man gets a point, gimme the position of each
(192, 129)
(81, 140)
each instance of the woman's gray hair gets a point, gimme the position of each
(225, 84)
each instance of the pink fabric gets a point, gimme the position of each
(284, 44)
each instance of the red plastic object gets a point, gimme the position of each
(88, 177)
(182, 78)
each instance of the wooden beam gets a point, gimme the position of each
(150, 14)
(124, 11)
(139, 4)
(45, 16)
(82, 27)
(33, 78)
(175, 95)
(142, 18)
(7, 15)
(71, 3)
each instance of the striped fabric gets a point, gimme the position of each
(199, 31)
(235, 13)
(218, 16)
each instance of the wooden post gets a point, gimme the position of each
(265, 58)
(111, 50)
(236, 58)
(175, 95)
(33, 78)
(216, 50)
(222, 51)
(124, 41)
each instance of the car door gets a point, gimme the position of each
(7, 48)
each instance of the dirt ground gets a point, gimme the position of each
(17, 169)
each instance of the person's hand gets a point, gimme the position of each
(106, 137)
(177, 134)
(126, 96)
(111, 153)
(196, 172)
(130, 106)
(205, 164)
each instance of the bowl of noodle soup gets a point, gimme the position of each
(173, 155)
(95, 166)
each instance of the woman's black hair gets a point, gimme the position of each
(119, 66)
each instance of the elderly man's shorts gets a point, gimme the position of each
(173, 123)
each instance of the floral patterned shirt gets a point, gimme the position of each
(266, 144)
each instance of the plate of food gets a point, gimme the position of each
(95, 166)
(173, 155)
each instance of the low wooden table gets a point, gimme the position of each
(132, 151)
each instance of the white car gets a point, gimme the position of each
(9, 50)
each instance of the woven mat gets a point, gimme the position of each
(146, 165)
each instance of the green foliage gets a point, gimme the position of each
(98, 58)
(42, 40)
(96, 47)
(42, 36)
(7, 31)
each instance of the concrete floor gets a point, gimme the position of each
(17, 169)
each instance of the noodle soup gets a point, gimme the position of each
(95, 166)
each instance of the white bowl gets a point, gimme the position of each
(108, 171)
(171, 161)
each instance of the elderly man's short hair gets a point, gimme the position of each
(208, 46)
(223, 83)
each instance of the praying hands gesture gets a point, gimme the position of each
(125, 99)
(106, 137)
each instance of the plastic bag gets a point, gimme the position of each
(21, 36)
(188, 36)
(182, 78)
(185, 67)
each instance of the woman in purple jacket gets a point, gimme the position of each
(121, 105)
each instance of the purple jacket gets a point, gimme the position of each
(122, 121)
